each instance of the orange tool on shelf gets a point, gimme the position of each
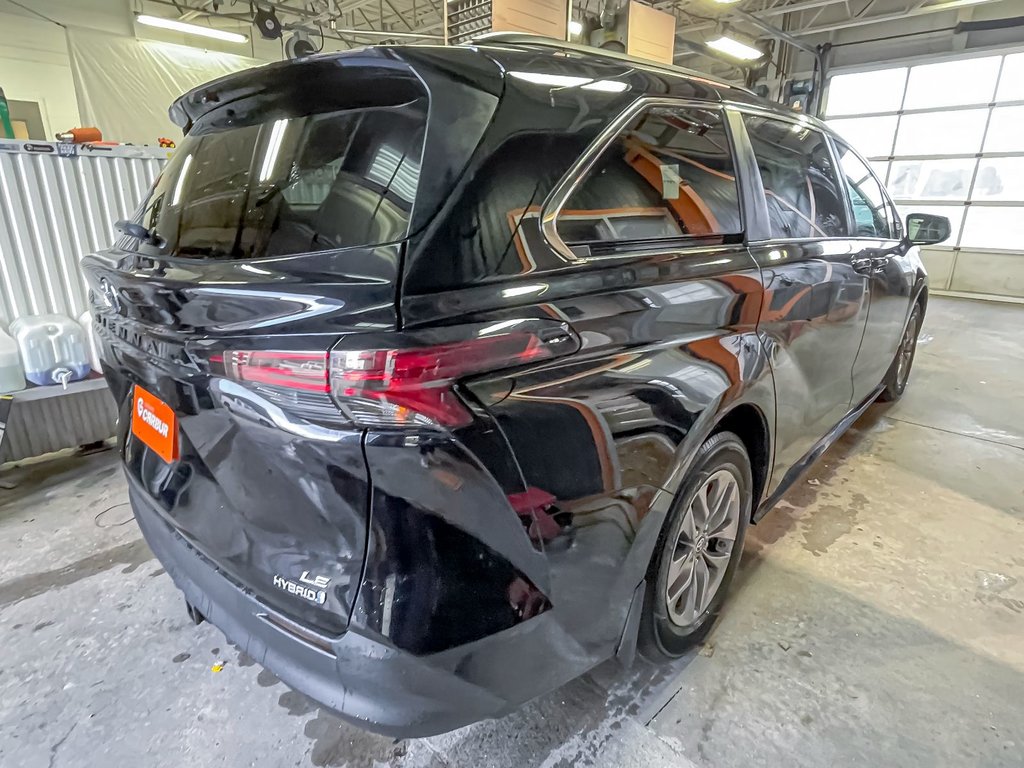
(80, 136)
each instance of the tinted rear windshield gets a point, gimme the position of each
(290, 184)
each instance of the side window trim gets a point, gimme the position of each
(568, 184)
(753, 203)
(844, 186)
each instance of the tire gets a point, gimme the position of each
(895, 381)
(669, 627)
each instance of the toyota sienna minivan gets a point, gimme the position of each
(446, 373)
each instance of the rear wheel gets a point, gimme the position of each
(699, 549)
(899, 372)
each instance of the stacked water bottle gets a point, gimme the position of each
(46, 350)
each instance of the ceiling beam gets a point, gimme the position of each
(335, 34)
(772, 30)
(919, 10)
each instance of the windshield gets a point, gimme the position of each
(290, 185)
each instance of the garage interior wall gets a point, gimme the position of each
(946, 136)
(124, 85)
(35, 63)
(35, 67)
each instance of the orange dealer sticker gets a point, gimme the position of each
(154, 423)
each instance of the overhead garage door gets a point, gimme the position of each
(947, 138)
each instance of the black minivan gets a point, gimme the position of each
(446, 373)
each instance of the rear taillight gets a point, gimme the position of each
(399, 386)
(306, 371)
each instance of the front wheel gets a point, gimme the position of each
(698, 550)
(895, 382)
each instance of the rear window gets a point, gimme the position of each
(291, 184)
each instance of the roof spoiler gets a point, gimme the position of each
(284, 77)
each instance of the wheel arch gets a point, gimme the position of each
(922, 299)
(749, 423)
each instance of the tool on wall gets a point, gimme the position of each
(84, 135)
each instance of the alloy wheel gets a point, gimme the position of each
(704, 547)
(906, 352)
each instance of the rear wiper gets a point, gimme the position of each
(139, 232)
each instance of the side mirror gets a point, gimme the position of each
(926, 229)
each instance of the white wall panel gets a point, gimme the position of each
(53, 210)
(998, 274)
(939, 263)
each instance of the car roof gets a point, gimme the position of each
(511, 52)
(496, 42)
(503, 47)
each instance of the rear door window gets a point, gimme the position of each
(801, 187)
(291, 184)
(667, 175)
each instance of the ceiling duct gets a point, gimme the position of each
(988, 25)
(636, 29)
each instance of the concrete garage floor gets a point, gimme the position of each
(878, 618)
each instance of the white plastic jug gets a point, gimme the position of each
(53, 349)
(12, 377)
(94, 351)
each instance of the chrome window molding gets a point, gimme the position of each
(568, 184)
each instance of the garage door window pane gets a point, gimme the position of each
(955, 214)
(931, 179)
(994, 228)
(1006, 131)
(871, 136)
(949, 83)
(1000, 178)
(941, 133)
(881, 169)
(1011, 81)
(860, 92)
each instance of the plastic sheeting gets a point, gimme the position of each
(125, 85)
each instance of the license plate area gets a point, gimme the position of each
(155, 424)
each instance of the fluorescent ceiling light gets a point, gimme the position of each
(523, 290)
(273, 147)
(543, 78)
(735, 48)
(575, 28)
(570, 81)
(182, 175)
(610, 86)
(190, 29)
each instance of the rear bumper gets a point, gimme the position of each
(362, 680)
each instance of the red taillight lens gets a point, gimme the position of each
(403, 386)
(290, 370)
